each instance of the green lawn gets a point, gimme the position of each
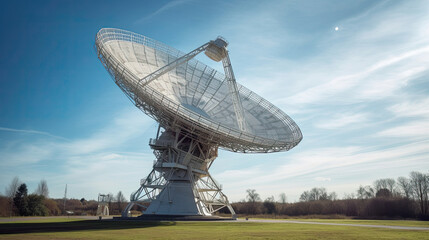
(93, 229)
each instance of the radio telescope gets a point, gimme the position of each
(198, 110)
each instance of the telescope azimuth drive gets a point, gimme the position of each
(198, 110)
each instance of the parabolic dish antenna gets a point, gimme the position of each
(199, 110)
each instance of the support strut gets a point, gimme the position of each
(180, 183)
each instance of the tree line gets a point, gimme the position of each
(18, 202)
(406, 197)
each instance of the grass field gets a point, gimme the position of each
(64, 228)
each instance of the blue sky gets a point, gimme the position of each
(360, 94)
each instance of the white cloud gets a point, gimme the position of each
(380, 80)
(415, 130)
(342, 120)
(352, 162)
(322, 179)
(27, 131)
(86, 164)
(88, 175)
(166, 7)
(126, 126)
(23, 154)
(411, 108)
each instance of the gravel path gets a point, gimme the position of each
(335, 224)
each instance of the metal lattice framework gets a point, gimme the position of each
(129, 57)
(181, 157)
(199, 110)
(103, 205)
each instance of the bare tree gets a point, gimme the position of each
(270, 199)
(252, 196)
(119, 200)
(316, 194)
(109, 199)
(11, 191)
(332, 196)
(420, 186)
(320, 193)
(13, 187)
(349, 196)
(385, 183)
(42, 189)
(282, 198)
(305, 196)
(391, 185)
(365, 192)
(405, 186)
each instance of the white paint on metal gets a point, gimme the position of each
(199, 110)
(130, 57)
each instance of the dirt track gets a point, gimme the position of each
(335, 224)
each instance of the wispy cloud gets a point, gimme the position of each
(411, 108)
(26, 131)
(95, 162)
(24, 154)
(342, 120)
(412, 130)
(124, 128)
(322, 179)
(380, 80)
(345, 163)
(166, 7)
